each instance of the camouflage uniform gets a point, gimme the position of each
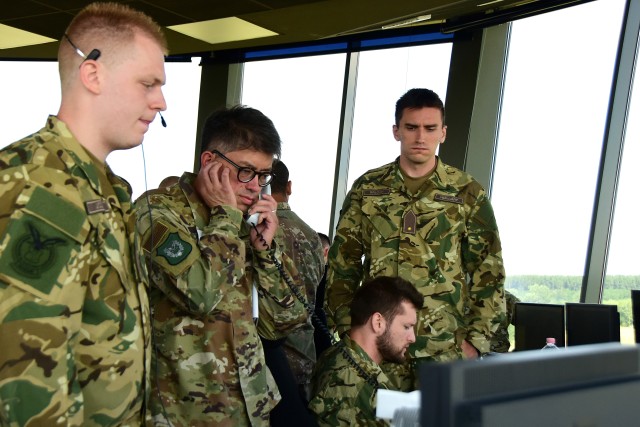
(340, 395)
(302, 244)
(443, 239)
(74, 329)
(500, 341)
(209, 361)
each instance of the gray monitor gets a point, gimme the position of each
(535, 322)
(588, 385)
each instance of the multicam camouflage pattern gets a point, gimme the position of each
(74, 328)
(340, 395)
(444, 240)
(302, 244)
(500, 341)
(209, 365)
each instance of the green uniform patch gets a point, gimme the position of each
(36, 254)
(174, 249)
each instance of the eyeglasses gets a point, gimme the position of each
(246, 174)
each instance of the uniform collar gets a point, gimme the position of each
(98, 174)
(284, 206)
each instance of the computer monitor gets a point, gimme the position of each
(635, 308)
(589, 385)
(592, 323)
(534, 323)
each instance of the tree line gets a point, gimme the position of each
(562, 289)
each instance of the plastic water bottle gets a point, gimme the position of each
(550, 345)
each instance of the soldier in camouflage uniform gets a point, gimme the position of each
(500, 341)
(209, 365)
(300, 242)
(348, 375)
(74, 313)
(431, 224)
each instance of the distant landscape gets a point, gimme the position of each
(561, 289)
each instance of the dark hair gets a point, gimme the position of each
(280, 177)
(418, 98)
(324, 239)
(240, 128)
(383, 295)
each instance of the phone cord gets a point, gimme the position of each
(373, 382)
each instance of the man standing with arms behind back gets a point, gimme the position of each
(303, 245)
(74, 315)
(431, 224)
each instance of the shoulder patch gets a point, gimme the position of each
(36, 254)
(174, 249)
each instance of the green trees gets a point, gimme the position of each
(562, 289)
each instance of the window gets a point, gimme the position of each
(383, 77)
(302, 96)
(623, 268)
(556, 95)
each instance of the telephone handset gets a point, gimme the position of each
(253, 219)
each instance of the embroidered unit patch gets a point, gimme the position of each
(174, 249)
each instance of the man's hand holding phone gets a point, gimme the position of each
(263, 220)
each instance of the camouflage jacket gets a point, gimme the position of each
(302, 244)
(74, 328)
(444, 240)
(500, 341)
(209, 361)
(340, 395)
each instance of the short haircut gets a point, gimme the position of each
(418, 98)
(326, 242)
(280, 177)
(240, 128)
(106, 27)
(383, 295)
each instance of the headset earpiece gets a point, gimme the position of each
(93, 55)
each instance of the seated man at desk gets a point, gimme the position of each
(347, 376)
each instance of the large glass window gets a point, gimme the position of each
(25, 100)
(556, 95)
(26, 103)
(383, 77)
(302, 96)
(623, 268)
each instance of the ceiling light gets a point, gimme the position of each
(13, 37)
(407, 22)
(223, 30)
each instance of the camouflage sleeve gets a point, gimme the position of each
(280, 310)
(343, 400)
(193, 272)
(345, 263)
(482, 255)
(44, 249)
